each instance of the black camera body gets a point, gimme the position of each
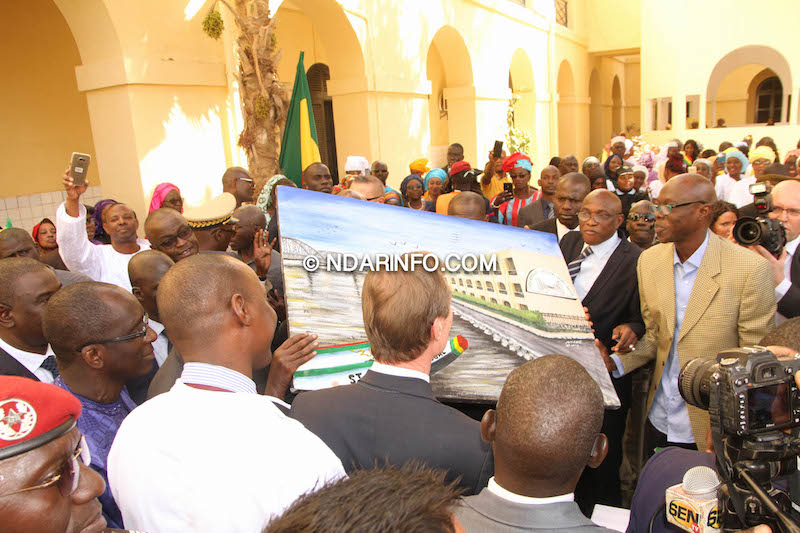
(761, 229)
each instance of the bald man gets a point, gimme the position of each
(718, 295)
(25, 286)
(603, 269)
(210, 303)
(317, 177)
(545, 432)
(370, 187)
(101, 262)
(640, 225)
(347, 193)
(169, 232)
(240, 183)
(101, 338)
(543, 208)
(571, 189)
(786, 267)
(145, 272)
(468, 204)
(16, 242)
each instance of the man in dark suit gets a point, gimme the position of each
(571, 189)
(391, 415)
(16, 242)
(25, 287)
(545, 431)
(543, 208)
(604, 273)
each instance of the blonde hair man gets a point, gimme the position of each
(391, 415)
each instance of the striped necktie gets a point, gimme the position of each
(50, 365)
(575, 266)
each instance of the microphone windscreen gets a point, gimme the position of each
(701, 482)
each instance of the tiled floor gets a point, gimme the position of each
(27, 211)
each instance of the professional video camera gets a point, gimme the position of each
(751, 398)
(762, 230)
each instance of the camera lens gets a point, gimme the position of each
(694, 381)
(747, 231)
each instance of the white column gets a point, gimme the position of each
(679, 112)
(785, 107)
(701, 113)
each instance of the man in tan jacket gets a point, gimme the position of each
(700, 294)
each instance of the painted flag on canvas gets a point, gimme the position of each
(299, 147)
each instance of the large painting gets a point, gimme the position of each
(513, 300)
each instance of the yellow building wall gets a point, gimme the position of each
(614, 25)
(43, 116)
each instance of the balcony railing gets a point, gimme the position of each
(561, 13)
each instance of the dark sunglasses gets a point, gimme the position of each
(647, 217)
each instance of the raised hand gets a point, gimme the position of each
(293, 353)
(74, 192)
(262, 252)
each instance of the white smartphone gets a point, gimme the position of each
(78, 168)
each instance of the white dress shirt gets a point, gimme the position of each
(507, 495)
(208, 461)
(31, 361)
(654, 188)
(161, 344)
(399, 372)
(594, 264)
(669, 413)
(723, 185)
(98, 261)
(739, 194)
(784, 286)
(562, 230)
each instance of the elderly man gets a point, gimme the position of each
(211, 222)
(543, 208)
(545, 432)
(47, 485)
(569, 163)
(317, 177)
(101, 262)
(240, 183)
(170, 232)
(25, 286)
(249, 242)
(707, 277)
(101, 339)
(210, 303)
(380, 170)
(570, 191)
(641, 225)
(407, 318)
(16, 242)
(370, 187)
(468, 204)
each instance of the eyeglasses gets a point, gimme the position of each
(135, 335)
(249, 180)
(184, 233)
(761, 162)
(585, 216)
(666, 209)
(68, 475)
(778, 211)
(646, 217)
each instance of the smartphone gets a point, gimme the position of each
(498, 149)
(508, 187)
(78, 168)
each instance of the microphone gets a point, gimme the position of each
(693, 505)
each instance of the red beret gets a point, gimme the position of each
(459, 166)
(32, 414)
(516, 161)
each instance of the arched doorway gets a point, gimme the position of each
(452, 101)
(616, 106)
(597, 134)
(520, 81)
(567, 113)
(322, 104)
(735, 79)
(768, 100)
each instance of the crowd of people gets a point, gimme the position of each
(145, 383)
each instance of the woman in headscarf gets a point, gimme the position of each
(100, 234)
(44, 235)
(166, 195)
(736, 165)
(393, 198)
(433, 183)
(412, 189)
(610, 168)
(267, 202)
(519, 167)
(589, 165)
(760, 158)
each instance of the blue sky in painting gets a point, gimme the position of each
(336, 224)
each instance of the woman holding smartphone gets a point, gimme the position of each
(518, 193)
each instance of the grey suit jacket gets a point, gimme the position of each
(531, 214)
(389, 419)
(488, 512)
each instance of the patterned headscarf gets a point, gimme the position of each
(265, 198)
(100, 233)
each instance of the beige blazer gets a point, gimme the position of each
(732, 305)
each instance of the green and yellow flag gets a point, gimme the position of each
(299, 147)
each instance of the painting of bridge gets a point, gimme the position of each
(524, 308)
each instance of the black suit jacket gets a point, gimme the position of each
(547, 226)
(531, 214)
(789, 305)
(11, 367)
(393, 419)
